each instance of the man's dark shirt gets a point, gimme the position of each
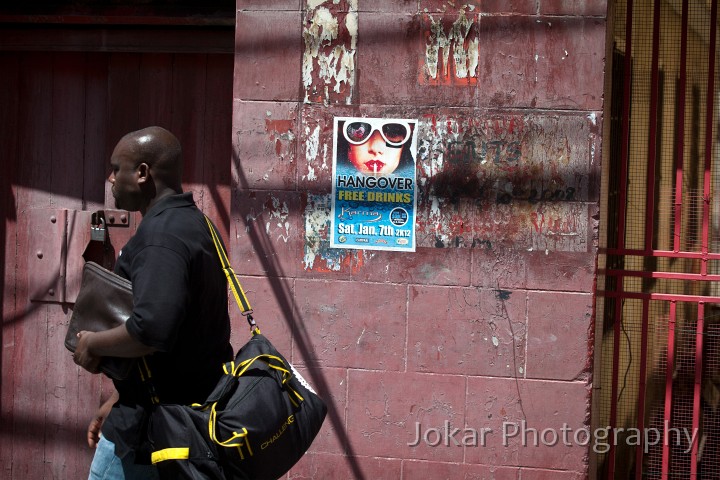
(179, 307)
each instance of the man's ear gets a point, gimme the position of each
(143, 172)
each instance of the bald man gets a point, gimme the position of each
(180, 321)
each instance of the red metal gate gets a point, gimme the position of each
(658, 375)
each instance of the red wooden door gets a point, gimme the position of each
(62, 113)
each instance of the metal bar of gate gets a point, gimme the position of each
(667, 275)
(615, 380)
(680, 149)
(624, 156)
(669, 369)
(705, 239)
(652, 131)
(641, 395)
(661, 253)
(625, 146)
(666, 297)
(709, 137)
(698, 387)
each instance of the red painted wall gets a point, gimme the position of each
(487, 327)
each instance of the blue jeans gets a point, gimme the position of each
(108, 466)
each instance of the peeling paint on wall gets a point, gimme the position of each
(282, 137)
(312, 144)
(316, 131)
(328, 68)
(484, 180)
(318, 255)
(504, 179)
(278, 219)
(559, 227)
(451, 53)
(265, 146)
(277, 214)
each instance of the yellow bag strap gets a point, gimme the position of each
(177, 453)
(146, 377)
(240, 297)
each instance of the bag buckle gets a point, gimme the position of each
(251, 321)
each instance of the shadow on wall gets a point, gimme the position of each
(7, 214)
(261, 243)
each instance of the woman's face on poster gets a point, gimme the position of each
(376, 149)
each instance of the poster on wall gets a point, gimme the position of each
(373, 190)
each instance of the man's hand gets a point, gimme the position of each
(82, 355)
(116, 342)
(93, 432)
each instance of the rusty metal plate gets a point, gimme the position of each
(58, 239)
(121, 226)
(46, 254)
(78, 236)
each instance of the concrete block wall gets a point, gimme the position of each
(482, 336)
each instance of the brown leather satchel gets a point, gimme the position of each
(105, 301)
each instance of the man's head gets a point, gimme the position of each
(146, 166)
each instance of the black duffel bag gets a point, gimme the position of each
(257, 423)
